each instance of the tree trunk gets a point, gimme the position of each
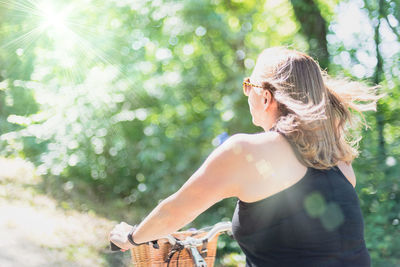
(314, 28)
(378, 78)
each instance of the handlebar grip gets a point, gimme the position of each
(114, 247)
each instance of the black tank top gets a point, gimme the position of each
(315, 222)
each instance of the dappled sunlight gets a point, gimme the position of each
(17, 171)
(52, 234)
(264, 168)
(237, 149)
(115, 104)
(249, 157)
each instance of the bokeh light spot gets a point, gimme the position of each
(315, 204)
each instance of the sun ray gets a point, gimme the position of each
(139, 97)
(33, 3)
(20, 6)
(62, 28)
(23, 37)
(26, 46)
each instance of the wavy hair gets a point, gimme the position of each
(314, 110)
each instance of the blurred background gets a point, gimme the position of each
(108, 107)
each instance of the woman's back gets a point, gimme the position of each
(313, 219)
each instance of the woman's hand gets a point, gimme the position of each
(119, 236)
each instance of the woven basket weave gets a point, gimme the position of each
(147, 256)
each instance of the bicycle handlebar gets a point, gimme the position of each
(191, 241)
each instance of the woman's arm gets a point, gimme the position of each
(216, 179)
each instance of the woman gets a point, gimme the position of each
(294, 182)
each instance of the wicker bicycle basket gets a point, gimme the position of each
(146, 255)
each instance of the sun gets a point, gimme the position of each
(52, 18)
(64, 33)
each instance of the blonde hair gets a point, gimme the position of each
(314, 109)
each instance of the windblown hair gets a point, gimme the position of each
(315, 110)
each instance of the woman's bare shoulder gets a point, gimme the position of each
(270, 147)
(264, 168)
(348, 172)
(255, 138)
(265, 145)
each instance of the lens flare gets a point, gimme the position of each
(61, 34)
(52, 19)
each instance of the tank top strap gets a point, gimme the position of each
(294, 148)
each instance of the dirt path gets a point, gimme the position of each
(35, 232)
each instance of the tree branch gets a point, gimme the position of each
(394, 30)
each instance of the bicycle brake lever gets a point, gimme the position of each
(197, 258)
(114, 247)
(230, 234)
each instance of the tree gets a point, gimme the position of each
(314, 27)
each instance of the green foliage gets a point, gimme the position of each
(127, 98)
(377, 168)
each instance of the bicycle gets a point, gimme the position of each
(180, 248)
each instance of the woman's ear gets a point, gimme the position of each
(267, 97)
